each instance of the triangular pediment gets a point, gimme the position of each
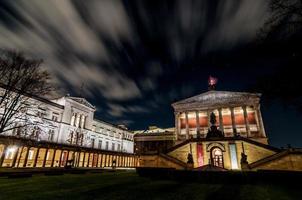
(82, 101)
(219, 97)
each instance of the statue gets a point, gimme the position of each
(190, 161)
(213, 131)
(243, 161)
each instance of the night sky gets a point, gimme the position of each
(132, 59)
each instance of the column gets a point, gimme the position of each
(197, 125)
(247, 125)
(36, 157)
(60, 160)
(26, 157)
(187, 125)
(53, 157)
(45, 157)
(101, 163)
(176, 115)
(261, 126)
(3, 155)
(15, 157)
(209, 118)
(233, 122)
(220, 119)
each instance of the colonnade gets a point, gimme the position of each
(258, 117)
(31, 156)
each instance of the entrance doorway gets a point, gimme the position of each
(217, 157)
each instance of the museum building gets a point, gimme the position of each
(220, 130)
(64, 130)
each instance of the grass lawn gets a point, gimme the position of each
(128, 185)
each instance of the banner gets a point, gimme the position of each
(199, 155)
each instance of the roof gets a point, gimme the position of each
(214, 98)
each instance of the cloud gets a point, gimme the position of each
(117, 110)
(73, 52)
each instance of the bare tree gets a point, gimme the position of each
(21, 79)
(284, 21)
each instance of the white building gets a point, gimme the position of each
(70, 120)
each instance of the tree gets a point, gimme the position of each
(285, 20)
(21, 80)
(281, 37)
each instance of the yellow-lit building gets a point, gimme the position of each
(217, 130)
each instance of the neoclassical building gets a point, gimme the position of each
(60, 130)
(237, 113)
(216, 130)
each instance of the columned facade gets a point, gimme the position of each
(237, 114)
(21, 153)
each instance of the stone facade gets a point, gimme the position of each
(70, 120)
(52, 132)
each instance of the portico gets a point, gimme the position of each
(236, 114)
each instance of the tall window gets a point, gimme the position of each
(30, 154)
(217, 157)
(100, 144)
(51, 135)
(113, 146)
(83, 119)
(118, 147)
(107, 145)
(92, 142)
(77, 122)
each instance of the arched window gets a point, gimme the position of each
(217, 157)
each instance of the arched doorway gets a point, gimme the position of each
(217, 157)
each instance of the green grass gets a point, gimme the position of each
(128, 185)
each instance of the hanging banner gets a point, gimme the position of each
(199, 155)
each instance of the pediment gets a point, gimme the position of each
(82, 101)
(212, 98)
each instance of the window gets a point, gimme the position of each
(30, 154)
(113, 146)
(100, 144)
(55, 116)
(10, 152)
(77, 122)
(118, 147)
(83, 119)
(51, 135)
(107, 145)
(70, 138)
(92, 142)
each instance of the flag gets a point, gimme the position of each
(212, 81)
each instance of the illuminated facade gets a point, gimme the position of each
(216, 130)
(63, 129)
(237, 113)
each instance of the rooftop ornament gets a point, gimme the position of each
(212, 82)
